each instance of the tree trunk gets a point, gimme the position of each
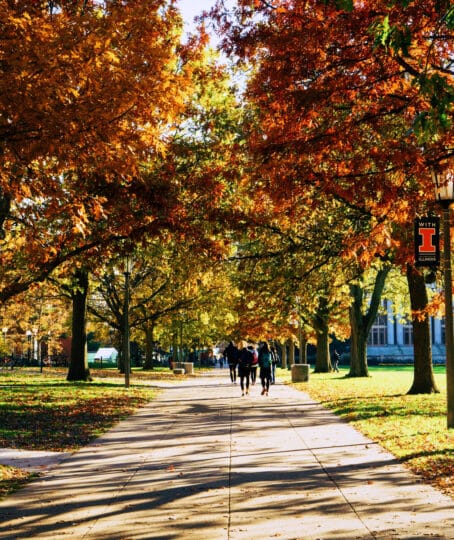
(320, 323)
(423, 376)
(284, 356)
(303, 348)
(361, 324)
(322, 358)
(78, 366)
(291, 349)
(148, 364)
(358, 342)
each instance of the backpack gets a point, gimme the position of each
(265, 360)
(246, 357)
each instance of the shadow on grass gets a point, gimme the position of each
(58, 426)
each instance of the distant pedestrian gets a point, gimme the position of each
(245, 359)
(231, 355)
(336, 360)
(265, 363)
(255, 363)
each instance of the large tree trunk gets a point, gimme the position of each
(320, 323)
(362, 323)
(358, 341)
(78, 366)
(148, 364)
(423, 376)
(284, 355)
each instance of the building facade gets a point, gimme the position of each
(391, 340)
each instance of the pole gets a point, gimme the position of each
(126, 349)
(449, 331)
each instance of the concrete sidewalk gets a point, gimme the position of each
(203, 463)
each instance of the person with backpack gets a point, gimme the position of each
(265, 362)
(231, 354)
(245, 358)
(255, 363)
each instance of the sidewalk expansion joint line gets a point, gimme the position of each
(114, 497)
(331, 478)
(229, 519)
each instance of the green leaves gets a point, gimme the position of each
(449, 18)
(391, 36)
(438, 119)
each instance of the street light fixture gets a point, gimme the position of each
(443, 177)
(126, 344)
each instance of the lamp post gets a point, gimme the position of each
(444, 191)
(126, 344)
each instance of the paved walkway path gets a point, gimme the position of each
(203, 463)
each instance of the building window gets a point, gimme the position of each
(379, 333)
(408, 334)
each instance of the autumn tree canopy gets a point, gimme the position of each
(336, 106)
(89, 92)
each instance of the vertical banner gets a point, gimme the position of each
(427, 241)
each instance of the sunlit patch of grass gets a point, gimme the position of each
(49, 413)
(412, 427)
(42, 411)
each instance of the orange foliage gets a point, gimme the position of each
(89, 94)
(335, 110)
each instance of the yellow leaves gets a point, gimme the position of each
(110, 56)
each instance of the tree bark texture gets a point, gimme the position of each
(78, 366)
(322, 358)
(423, 376)
(148, 364)
(361, 324)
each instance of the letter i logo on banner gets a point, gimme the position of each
(427, 241)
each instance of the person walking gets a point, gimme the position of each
(231, 355)
(265, 362)
(245, 359)
(336, 359)
(255, 363)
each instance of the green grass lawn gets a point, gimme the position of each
(413, 428)
(44, 412)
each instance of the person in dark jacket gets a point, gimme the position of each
(336, 359)
(265, 362)
(245, 359)
(231, 355)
